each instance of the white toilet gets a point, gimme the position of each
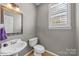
(38, 49)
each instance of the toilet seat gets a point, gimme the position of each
(39, 49)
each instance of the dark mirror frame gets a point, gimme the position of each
(2, 21)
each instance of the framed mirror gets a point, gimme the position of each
(12, 20)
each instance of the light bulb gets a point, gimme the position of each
(9, 5)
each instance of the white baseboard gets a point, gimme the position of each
(53, 54)
(28, 52)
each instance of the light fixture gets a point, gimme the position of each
(13, 6)
(9, 5)
(17, 9)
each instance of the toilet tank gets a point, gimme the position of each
(33, 41)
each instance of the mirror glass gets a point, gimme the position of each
(12, 20)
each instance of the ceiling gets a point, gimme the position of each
(37, 4)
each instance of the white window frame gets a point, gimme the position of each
(65, 26)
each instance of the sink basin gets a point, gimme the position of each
(14, 46)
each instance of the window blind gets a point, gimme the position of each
(59, 16)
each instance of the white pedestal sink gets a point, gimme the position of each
(14, 46)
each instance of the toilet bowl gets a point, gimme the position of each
(38, 49)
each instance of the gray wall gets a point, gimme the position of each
(77, 27)
(29, 18)
(54, 40)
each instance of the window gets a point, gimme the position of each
(59, 16)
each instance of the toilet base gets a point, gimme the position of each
(37, 54)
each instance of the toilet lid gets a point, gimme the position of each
(39, 47)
